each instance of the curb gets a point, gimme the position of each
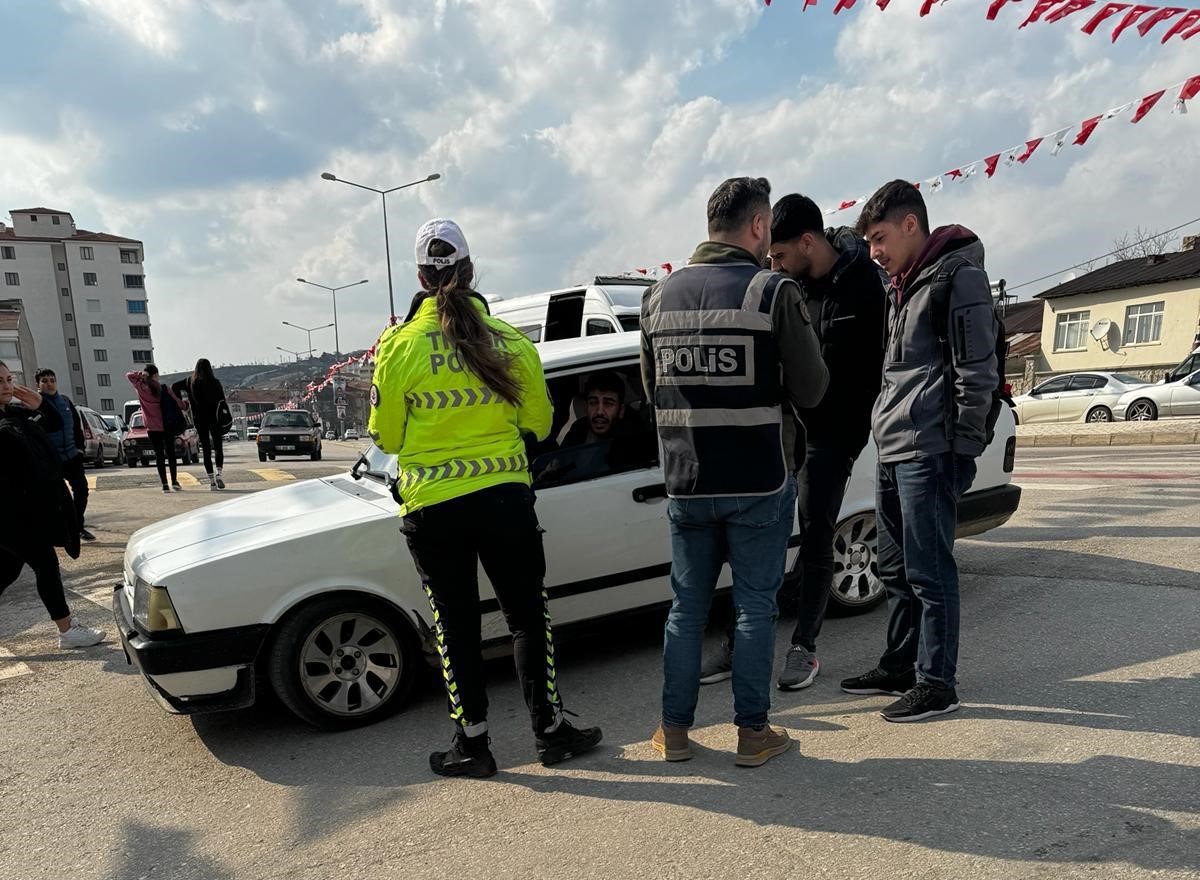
(1166, 438)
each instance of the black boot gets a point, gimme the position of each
(565, 742)
(467, 756)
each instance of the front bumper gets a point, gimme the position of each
(295, 447)
(197, 672)
(982, 511)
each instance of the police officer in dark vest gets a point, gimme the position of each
(728, 353)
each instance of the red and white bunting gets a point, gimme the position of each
(1078, 135)
(1140, 18)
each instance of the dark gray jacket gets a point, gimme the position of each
(909, 418)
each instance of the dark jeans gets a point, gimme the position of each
(822, 486)
(73, 473)
(916, 503)
(497, 527)
(211, 439)
(44, 562)
(164, 453)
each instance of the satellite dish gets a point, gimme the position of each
(1100, 329)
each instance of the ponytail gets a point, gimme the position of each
(465, 329)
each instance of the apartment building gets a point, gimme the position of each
(83, 297)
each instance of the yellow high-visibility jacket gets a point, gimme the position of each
(451, 434)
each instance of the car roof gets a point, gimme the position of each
(563, 353)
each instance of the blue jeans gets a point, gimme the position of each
(916, 503)
(750, 533)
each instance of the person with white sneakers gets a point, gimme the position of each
(210, 413)
(37, 514)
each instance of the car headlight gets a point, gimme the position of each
(152, 608)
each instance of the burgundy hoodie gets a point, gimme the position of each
(935, 245)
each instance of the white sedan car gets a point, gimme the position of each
(1075, 397)
(1178, 398)
(310, 587)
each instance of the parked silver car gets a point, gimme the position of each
(101, 444)
(1075, 397)
(1178, 398)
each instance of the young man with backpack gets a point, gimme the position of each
(932, 419)
(68, 442)
(37, 513)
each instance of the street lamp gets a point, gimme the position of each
(309, 331)
(295, 354)
(327, 175)
(337, 349)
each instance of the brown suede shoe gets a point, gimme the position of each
(756, 747)
(672, 743)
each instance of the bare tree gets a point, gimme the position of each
(1141, 243)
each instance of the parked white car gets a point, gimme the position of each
(1075, 397)
(310, 584)
(1178, 398)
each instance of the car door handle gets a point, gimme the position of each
(642, 494)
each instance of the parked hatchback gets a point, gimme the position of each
(309, 586)
(1075, 397)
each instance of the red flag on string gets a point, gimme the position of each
(990, 163)
(1146, 105)
(1030, 146)
(844, 4)
(643, 271)
(1149, 22)
(995, 8)
(847, 204)
(1130, 18)
(1040, 8)
(1190, 89)
(1085, 131)
(1190, 18)
(1069, 7)
(666, 266)
(955, 174)
(882, 4)
(926, 5)
(1108, 11)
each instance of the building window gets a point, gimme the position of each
(71, 341)
(97, 330)
(62, 267)
(129, 256)
(142, 356)
(76, 367)
(102, 355)
(139, 331)
(67, 316)
(9, 253)
(89, 279)
(106, 404)
(12, 279)
(66, 291)
(54, 220)
(135, 281)
(136, 306)
(104, 380)
(93, 305)
(8, 348)
(1070, 330)
(85, 253)
(79, 392)
(33, 218)
(1143, 323)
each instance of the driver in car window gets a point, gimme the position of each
(608, 421)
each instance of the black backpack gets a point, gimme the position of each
(174, 423)
(939, 296)
(43, 505)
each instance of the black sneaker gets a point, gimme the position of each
(924, 701)
(86, 535)
(880, 681)
(718, 666)
(566, 741)
(467, 756)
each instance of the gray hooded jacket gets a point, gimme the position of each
(909, 418)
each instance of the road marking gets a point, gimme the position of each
(91, 481)
(273, 475)
(11, 667)
(186, 479)
(1060, 487)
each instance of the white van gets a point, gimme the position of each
(609, 304)
(1190, 364)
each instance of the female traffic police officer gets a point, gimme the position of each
(455, 392)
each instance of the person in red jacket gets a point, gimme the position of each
(159, 404)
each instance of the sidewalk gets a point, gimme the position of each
(1165, 432)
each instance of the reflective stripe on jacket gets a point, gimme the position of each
(450, 433)
(718, 394)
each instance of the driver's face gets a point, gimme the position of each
(603, 408)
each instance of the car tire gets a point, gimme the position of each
(1099, 414)
(302, 663)
(1141, 410)
(119, 458)
(100, 460)
(856, 584)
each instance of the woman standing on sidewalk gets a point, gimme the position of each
(37, 513)
(162, 411)
(210, 413)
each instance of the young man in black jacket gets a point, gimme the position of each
(844, 292)
(36, 514)
(68, 441)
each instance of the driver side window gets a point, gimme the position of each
(602, 425)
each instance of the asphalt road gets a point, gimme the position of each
(1076, 755)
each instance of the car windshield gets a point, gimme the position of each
(287, 420)
(1126, 379)
(111, 422)
(379, 464)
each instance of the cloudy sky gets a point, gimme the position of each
(573, 137)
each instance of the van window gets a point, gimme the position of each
(533, 331)
(599, 326)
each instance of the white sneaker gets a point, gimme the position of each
(80, 636)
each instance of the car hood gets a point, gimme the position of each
(251, 522)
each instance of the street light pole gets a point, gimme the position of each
(309, 331)
(327, 175)
(295, 354)
(337, 348)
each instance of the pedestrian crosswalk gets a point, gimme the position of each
(11, 667)
(273, 475)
